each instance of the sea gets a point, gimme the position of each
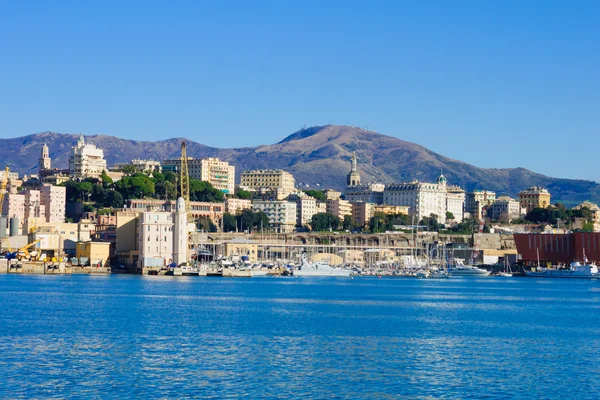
(153, 337)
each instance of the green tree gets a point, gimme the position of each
(115, 199)
(229, 223)
(317, 194)
(137, 186)
(242, 194)
(204, 191)
(106, 180)
(204, 223)
(348, 224)
(449, 216)
(324, 222)
(431, 223)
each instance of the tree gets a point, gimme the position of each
(431, 223)
(204, 223)
(317, 194)
(137, 186)
(106, 180)
(204, 191)
(324, 222)
(115, 199)
(449, 216)
(249, 220)
(348, 224)
(229, 223)
(242, 194)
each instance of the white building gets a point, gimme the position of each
(455, 203)
(282, 214)
(268, 179)
(143, 166)
(306, 207)
(423, 198)
(218, 173)
(163, 237)
(506, 208)
(86, 161)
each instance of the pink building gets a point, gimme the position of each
(14, 206)
(54, 199)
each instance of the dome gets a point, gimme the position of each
(180, 204)
(441, 179)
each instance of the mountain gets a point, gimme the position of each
(316, 156)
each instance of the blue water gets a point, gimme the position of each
(163, 337)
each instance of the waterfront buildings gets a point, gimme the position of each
(282, 214)
(534, 197)
(214, 211)
(478, 200)
(218, 173)
(44, 205)
(86, 160)
(162, 237)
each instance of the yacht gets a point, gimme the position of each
(575, 270)
(320, 268)
(460, 269)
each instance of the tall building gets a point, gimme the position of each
(54, 201)
(340, 208)
(423, 198)
(534, 197)
(505, 208)
(218, 173)
(281, 214)
(163, 236)
(268, 179)
(477, 200)
(306, 207)
(353, 177)
(214, 211)
(86, 160)
(455, 202)
(45, 163)
(362, 213)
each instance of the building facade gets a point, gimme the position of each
(218, 173)
(282, 214)
(141, 166)
(505, 208)
(268, 179)
(235, 206)
(86, 160)
(214, 211)
(477, 201)
(163, 236)
(362, 213)
(534, 197)
(423, 199)
(339, 207)
(371, 193)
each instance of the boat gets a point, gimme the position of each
(575, 270)
(320, 268)
(188, 270)
(460, 269)
(507, 273)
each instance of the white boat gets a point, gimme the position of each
(460, 269)
(320, 268)
(575, 270)
(188, 270)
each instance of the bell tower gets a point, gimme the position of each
(353, 176)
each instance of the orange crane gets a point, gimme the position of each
(23, 252)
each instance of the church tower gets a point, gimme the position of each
(180, 234)
(353, 176)
(45, 163)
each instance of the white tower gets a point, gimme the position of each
(45, 163)
(180, 234)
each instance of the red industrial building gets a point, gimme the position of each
(562, 248)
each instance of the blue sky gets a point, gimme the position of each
(492, 83)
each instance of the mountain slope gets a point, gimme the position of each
(316, 155)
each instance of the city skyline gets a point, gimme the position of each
(449, 77)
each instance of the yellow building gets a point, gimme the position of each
(534, 197)
(392, 210)
(98, 253)
(242, 247)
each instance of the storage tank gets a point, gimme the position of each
(14, 226)
(3, 226)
